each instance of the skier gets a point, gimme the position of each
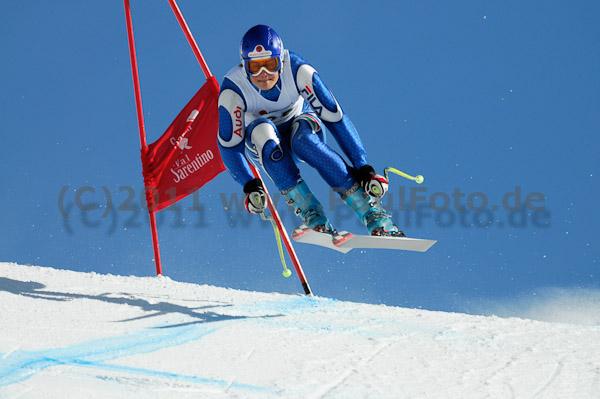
(272, 107)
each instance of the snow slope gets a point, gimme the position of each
(66, 334)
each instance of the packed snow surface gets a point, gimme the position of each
(66, 334)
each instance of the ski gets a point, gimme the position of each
(343, 241)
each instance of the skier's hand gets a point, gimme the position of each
(256, 199)
(375, 185)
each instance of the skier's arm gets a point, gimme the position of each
(232, 132)
(317, 95)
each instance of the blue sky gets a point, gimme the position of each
(482, 98)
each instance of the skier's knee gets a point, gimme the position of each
(264, 141)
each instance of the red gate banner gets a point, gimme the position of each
(186, 156)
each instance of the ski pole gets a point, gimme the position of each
(286, 272)
(418, 178)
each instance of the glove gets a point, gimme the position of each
(375, 185)
(256, 199)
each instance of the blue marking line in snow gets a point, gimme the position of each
(21, 365)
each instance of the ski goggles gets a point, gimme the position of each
(270, 65)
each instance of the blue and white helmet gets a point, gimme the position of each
(261, 42)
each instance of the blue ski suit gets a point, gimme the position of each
(278, 127)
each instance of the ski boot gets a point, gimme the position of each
(307, 207)
(378, 222)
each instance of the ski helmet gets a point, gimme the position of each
(259, 43)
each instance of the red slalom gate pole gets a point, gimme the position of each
(282, 231)
(140, 118)
(190, 38)
(284, 235)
